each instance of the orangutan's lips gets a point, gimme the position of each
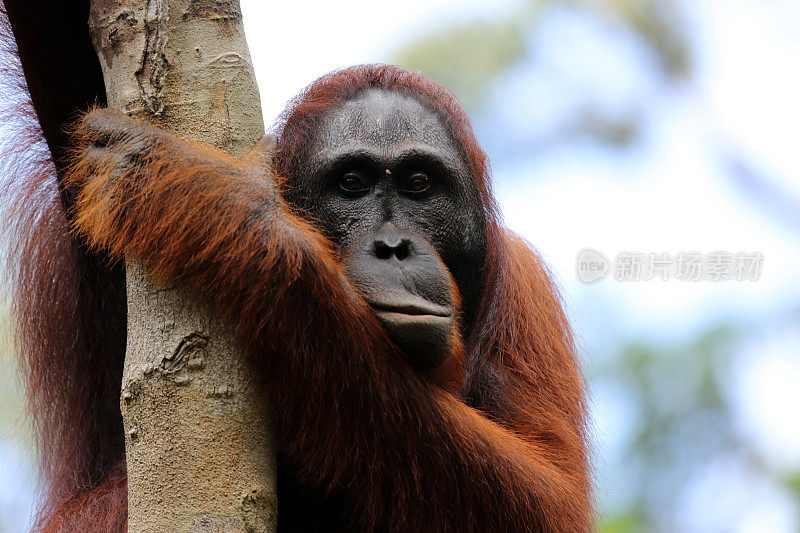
(415, 308)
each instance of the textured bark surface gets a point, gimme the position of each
(198, 441)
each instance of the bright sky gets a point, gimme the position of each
(332, 35)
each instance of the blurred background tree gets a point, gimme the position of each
(476, 58)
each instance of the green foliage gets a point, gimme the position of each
(467, 58)
(792, 482)
(659, 24)
(471, 57)
(628, 522)
(684, 420)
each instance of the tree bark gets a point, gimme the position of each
(199, 444)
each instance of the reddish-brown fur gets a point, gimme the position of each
(355, 420)
(69, 310)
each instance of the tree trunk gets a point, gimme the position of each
(199, 442)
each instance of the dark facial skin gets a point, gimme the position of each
(386, 183)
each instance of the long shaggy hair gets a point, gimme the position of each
(68, 308)
(69, 311)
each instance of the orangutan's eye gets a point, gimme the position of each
(417, 182)
(353, 182)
